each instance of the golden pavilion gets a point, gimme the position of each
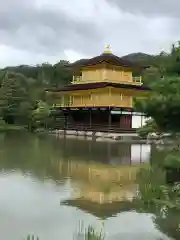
(100, 96)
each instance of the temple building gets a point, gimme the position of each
(101, 94)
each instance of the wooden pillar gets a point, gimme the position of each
(109, 118)
(66, 121)
(130, 120)
(90, 118)
(141, 120)
(141, 152)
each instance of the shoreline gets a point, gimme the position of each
(98, 136)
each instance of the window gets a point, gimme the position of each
(104, 74)
(90, 96)
(121, 96)
(78, 100)
(81, 99)
(70, 100)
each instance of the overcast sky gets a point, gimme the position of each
(36, 31)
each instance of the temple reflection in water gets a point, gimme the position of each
(103, 175)
(105, 152)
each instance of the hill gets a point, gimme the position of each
(139, 58)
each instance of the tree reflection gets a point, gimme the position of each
(157, 196)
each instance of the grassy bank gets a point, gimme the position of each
(11, 128)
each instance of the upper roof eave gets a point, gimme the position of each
(107, 58)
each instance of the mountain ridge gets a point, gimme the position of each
(138, 57)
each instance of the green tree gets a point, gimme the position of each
(173, 66)
(13, 92)
(62, 74)
(162, 104)
(24, 115)
(149, 127)
(162, 197)
(41, 114)
(150, 75)
(2, 75)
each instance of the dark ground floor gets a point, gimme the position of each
(97, 119)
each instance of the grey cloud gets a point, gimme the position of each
(166, 8)
(24, 25)
(46, 32)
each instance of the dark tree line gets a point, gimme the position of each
(22, 93)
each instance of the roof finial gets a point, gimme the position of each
(108, 49)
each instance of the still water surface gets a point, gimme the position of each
(38, 175)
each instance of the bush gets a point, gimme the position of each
(2, 122)
(149, 127)
(172, 160)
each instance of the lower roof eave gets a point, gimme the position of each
(96, 85)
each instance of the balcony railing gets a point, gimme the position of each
(135, 80)
(59, 105)
(76, 80)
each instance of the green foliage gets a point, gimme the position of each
(172, 160)
(2, 75)
(90, 234)
(141, 58)
(150, 75)
(22, 93)
(158, 197)
(2, 122)
(13, 93)
(150, 182)
(149, 127)
(41, 113)
(87, 234)
(62, 74)
(9, 127)
(18, 101)
(44, 75)
(163, 104)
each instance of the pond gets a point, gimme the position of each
(50, 186)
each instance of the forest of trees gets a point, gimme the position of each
(22, 93)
